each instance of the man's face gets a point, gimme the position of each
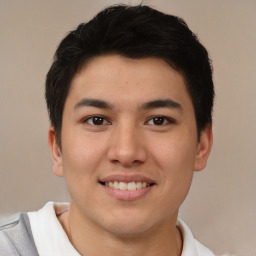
(129, 144)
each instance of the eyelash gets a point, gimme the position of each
(164, 119)
(86, 120)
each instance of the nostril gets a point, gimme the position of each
(114, 161)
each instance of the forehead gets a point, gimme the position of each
(120, 78)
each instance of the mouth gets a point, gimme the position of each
(133, 185)
(123, 187)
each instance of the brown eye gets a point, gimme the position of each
(96, 120)
(159, 120)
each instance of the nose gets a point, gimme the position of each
(126, 146)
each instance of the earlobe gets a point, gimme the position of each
(56, 153)
(203, 148)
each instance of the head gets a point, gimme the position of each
(130, 100)
(136, 32)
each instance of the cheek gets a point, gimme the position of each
(177, 166)
(175, 154)
(175, 158)
(80, 163)
(176, 169)
(81, 156)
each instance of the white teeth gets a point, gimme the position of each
(138, 185)
(123, 186)
(127, 186)
(131, 186)
(116, 185)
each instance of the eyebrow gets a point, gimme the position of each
(94, 103)
(162, 103)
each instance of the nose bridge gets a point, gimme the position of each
(126, 146)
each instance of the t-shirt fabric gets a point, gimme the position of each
(40, 233)
(51, 239)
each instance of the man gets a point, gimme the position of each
(130, 97)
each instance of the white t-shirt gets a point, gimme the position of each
(51, 239)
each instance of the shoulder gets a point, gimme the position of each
(16, 237)
(191, 247)
(202, 250)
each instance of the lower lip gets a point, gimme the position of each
(127, 195)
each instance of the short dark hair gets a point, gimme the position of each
(134, 32)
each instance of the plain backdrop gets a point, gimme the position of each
(221, 205)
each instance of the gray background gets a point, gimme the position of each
(221, 206)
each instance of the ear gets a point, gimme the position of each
(56, 153)
(203, 148)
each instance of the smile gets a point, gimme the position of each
(127, 186)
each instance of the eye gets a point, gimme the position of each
(96, 120)
(159, 120)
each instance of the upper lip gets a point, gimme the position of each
(127, 178)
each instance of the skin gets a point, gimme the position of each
(127, 142)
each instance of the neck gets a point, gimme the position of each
(88, 239)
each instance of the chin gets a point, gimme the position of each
(128, 225)
(125, 231)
